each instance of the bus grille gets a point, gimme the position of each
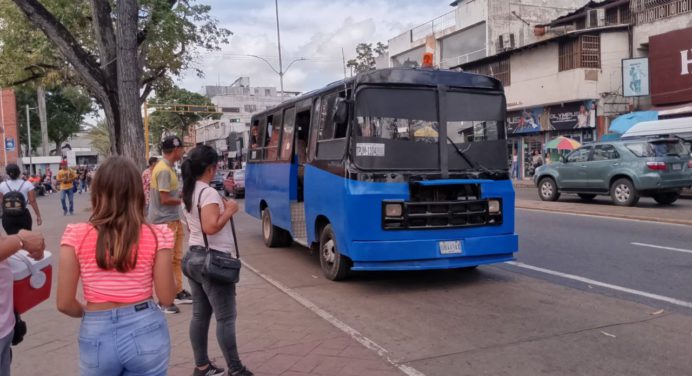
(434, 215)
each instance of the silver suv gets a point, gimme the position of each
(625, 170)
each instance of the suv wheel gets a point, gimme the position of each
(547, 190)
(623, 193)
(666, 198)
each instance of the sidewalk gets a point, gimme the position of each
(276, 335)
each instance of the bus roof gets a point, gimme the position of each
(404, 76)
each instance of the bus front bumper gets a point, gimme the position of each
(427, 254)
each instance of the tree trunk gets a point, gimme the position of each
(42, 115)
(131, 131)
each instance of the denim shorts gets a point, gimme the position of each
(131, 340)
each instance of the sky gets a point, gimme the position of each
(313, 29)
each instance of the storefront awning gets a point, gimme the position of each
(623, 123)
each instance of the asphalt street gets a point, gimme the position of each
(507, 320)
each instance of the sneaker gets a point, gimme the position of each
(183, 297)
(209, 371)
(170, 309)
(242, 371)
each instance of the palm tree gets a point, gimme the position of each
(100, 139)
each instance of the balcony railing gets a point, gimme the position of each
(437, 25)
(645, 13)
(463, 59)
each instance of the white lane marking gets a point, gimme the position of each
(662, 247)
(353, 333)
(604, 217)
(589, 281)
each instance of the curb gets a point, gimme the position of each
(609, 215)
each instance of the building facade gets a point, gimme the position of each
(237, 103)
(9, 152)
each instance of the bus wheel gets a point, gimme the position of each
(273, 236)
(335, 266)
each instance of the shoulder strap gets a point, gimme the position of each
(199, 214)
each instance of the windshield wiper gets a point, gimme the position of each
(462, 154)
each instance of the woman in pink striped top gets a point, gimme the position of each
(118, 257)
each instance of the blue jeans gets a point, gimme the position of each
(126, 341)
(69, 193)
(210, 297)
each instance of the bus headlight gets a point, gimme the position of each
(393, 210)
(494, 206)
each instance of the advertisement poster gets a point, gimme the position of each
(635, 77)
(525, 121)
(569, 116)
(9, 143)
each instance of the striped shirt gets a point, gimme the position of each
(102, 286)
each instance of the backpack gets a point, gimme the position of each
(13, 202)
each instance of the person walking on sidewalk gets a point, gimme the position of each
(164, 208)
(66, 178)
(146, 182)
(118, 257)
(209, 296)
(33, 243)
(15, 194)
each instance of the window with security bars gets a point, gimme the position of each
(499, 69)
(582, 52)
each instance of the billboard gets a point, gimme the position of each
(670, 67)
(563, 117)
(635, 77)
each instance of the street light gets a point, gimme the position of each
(280, 72)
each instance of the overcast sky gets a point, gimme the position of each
(314, 29)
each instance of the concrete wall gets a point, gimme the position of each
(535, 79)
(641, 33)
(9, 120)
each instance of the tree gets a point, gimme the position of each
(118, 51)
(100, 141)
(365, 59)
(161, 122)
(66, 107)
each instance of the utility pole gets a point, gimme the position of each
(4, 134)
(278, 39)
(43, 117)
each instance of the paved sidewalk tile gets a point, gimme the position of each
(276, 335)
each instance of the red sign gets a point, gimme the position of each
(670, 67)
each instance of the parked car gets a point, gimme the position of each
(625, 170)
(217, 180)
(235, 183)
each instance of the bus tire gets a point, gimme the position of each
(273, 236)
(335, 266)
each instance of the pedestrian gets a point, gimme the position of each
(209, 296)
(146, 182)
(48, 184)
(164, 208)
(66, 178)
(90, 176)
(83, 180)
(16, 195)
(33, 243)
(118, 257)
(515, 165)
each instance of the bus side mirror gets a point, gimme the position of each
(341, 111)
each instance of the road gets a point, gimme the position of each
(509, 320)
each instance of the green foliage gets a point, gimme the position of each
(100, 139)
(365, 59)
(66, 109)
(161, 122)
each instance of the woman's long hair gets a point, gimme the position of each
(198, 160)
(117, 200)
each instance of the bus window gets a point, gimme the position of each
(316, 110)
(255, 152)
(288, 132)
(273, 137)
(302, 128)
(327, 112)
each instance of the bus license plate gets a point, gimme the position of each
(677, 167)
(450, 247)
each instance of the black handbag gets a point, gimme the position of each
(219, 266)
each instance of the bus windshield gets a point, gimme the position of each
(399, 129)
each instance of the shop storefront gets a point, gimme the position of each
(529, 129)
(670, 71)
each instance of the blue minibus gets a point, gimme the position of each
(394, 169)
